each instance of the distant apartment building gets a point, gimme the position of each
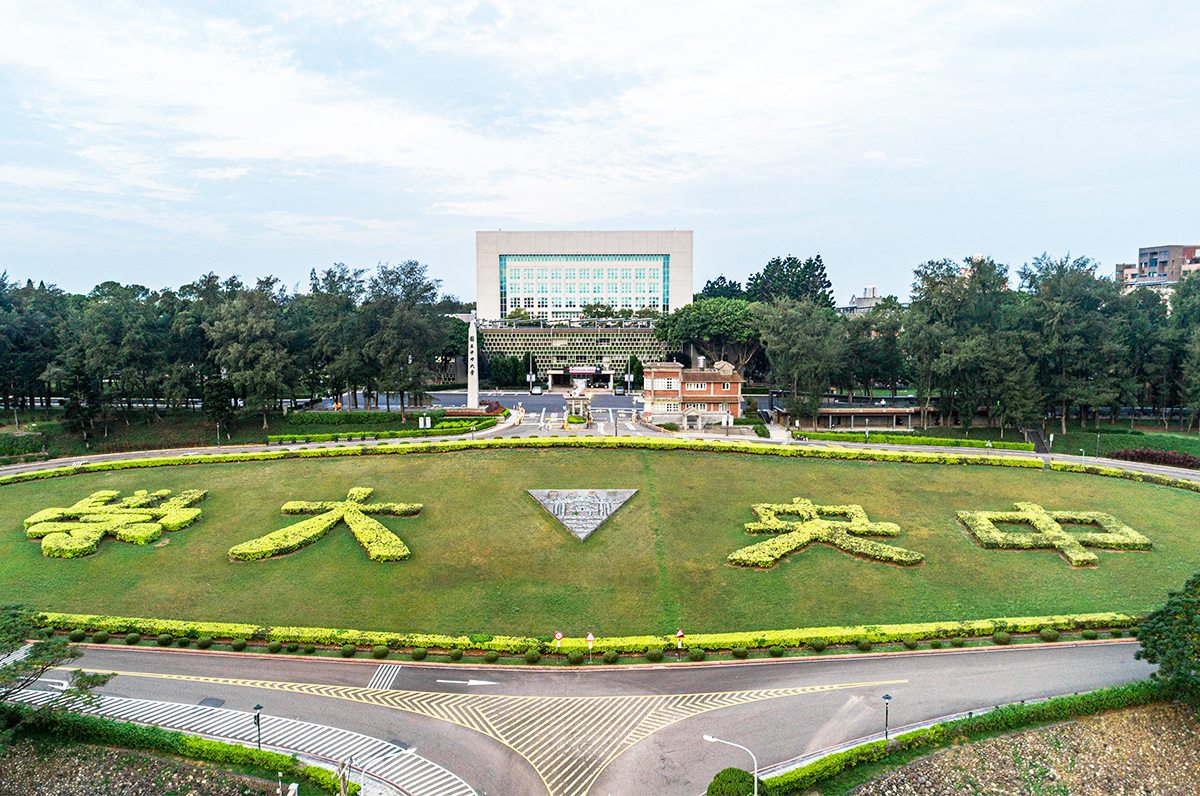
(553, 275)
(863, 303)
(691, 397)
(1159, 268)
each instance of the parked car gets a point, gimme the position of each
(535, 390)
(618, 390)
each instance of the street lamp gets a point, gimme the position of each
(258, 724)
(887, 701)
(711, 739)
(1081, 455)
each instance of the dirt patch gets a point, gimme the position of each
(1149, 750)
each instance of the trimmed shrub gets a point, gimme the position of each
(1133, 631)
(654, 655)
(349, 650)
(935, 644)
(863, 644)
(817, 644)
(777, 651)
(958, 641)
(77, 635)
(909, 643)
(1001, 638)
(238, 644)
(275, 648)
(491, 656)
(669, 426)
(455, 654)
(165, 639)
(532, 656)
(100, 637)
(733, 782)
(1115, 632)
(293, 647)
(611, 657)
(1090, 635)
(204, 642)
(309, 649)
(132, 638)
(576, 658)
(696, 654)
(419, 653)
(183, 642)
(741, 653)
(378, 652)
(1048, 634)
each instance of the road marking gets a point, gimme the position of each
(384, 676)
(568, 740)
(469, 682)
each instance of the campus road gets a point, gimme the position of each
(617, 730)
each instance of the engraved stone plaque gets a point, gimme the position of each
(582, 511)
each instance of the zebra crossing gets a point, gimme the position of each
(405, 772)
(384, 676)
(19, 654)
(567, 740)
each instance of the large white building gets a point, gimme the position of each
(553, 275)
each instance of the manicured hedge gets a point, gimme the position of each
(1151, 456)
(77, 530)
(1050, 535)
(443, 429)
(355, 418)
(798, 637)
(20, 444)
(1130, 475)
(905, 439)
(1003, 719)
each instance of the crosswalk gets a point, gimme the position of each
(384, 676)
(388, 763)
(19, 654)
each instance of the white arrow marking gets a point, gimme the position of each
(469, 682)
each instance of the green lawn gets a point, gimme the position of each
(487, 558)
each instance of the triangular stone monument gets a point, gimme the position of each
(582, 511)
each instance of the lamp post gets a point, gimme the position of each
(258, 724)
(711, 739)
(1081, 455)
(887, 701)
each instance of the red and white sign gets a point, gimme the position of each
(558, 635)
(590, 639)
(679, 638)
(679, 633)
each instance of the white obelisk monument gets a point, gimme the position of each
(472, 365)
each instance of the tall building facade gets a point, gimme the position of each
(553, 275)
(1159, 267)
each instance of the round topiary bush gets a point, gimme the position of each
(1048, 634)
(696, 654)
(183, 641)
(165, 639)
(532, 656)
(100, 637)
(777, 651)
(654, 656)
(292, 647)
(349, 650)
(741, 653)
(611, 657)
(275, 647)
(455, 654)
(1090, 635)
(133, 638)
(1115, 632)
(817, 645)
(935, 644)
(419, 653)
(379, 652)
(1133, 631)
(204, 642)
(910, 643)
(863, 644)
(77, 635)
(238, 644)
(309, 649)
(732, 782)
(491, 656)
(575, 658)
(1001, 638)
(958, 641)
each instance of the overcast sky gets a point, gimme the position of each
(153, 142)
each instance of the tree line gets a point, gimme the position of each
(225, 343)
(1054, 343)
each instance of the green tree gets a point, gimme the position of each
(792, 278)
(1190, 382)
(408, 335)
(721, 288)
(250, 345)
(805, 343)
(720, 328)
(1170, 638)
(634, 367)
(598, 311)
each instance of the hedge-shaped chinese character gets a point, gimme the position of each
(1050, 534)
(800, 523)
(380, 543)
(139, 519)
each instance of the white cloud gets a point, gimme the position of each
(874, 154)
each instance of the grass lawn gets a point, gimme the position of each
(487, 559)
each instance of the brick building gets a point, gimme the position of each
(691, 397)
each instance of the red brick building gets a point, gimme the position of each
(691, 397)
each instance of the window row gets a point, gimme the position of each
(583, 273)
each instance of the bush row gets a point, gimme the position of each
(356, 418)
(1003, 719)
(444, 429)
(20, 444)
(1130, 475)
(906, 439)
(799, 637)
(1149, 456)
(75, 727)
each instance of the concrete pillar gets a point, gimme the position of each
(472, 365)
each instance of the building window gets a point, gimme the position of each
(542, 287)
(570, 301)
(556, 273)
(641, 273)
(695, 406)
(541, 273)
(626, 302)
(668, 383)
(654, 301)
(598, 289)
(584, 273)
(556, 302)
(666, 406)
(529, 301)
(541, 303)
(726, 386)
(640, 288)
(627, 273)
(694, 385)
(570, 289)
(556, 287)
(612, 273)
(570, 273)
(612, 288)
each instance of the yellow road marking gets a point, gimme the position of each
(569, 740)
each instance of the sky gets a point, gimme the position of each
(151, 143)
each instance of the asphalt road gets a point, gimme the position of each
(642, 725)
